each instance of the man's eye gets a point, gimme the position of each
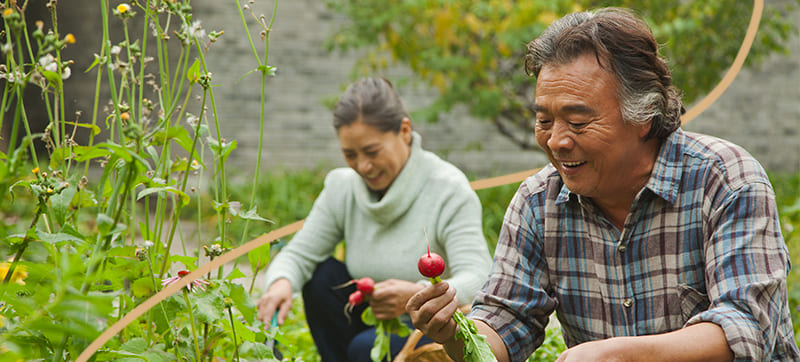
(578, 124)
(543, 121)
(371, 154)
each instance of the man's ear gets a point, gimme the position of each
(645, 129)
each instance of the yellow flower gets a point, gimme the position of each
(35, 170)
(19, 273)
(8, 11)
(123, 8)
(39, 24)
(125, 116)
(70, 39)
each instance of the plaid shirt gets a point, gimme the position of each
(701, 243)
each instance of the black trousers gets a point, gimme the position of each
(337, 337)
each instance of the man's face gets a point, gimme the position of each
(580, 127)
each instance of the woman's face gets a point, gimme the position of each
(377, 156)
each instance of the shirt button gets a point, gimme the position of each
(627, 302)
(621, 248)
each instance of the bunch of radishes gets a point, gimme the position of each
(364, 288)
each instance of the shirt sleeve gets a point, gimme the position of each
(513, 301)
(746, 268)
(312, 244)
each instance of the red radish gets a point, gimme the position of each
(430, 265)
(356, 298)
(365, 285)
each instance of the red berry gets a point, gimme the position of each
(430, 265)
(365, 285)
(356, 298)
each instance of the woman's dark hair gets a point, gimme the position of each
(621, 40)
(372, 101)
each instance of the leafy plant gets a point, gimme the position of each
(99, 224)
(472, 51)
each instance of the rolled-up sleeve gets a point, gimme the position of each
(746, 268)
(513, 301)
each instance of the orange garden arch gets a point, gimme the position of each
(744, 49)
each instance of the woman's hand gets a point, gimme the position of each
(278, 297)
(390, 297)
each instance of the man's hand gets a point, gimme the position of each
(390, 298)
(431, 311)
(278, 297)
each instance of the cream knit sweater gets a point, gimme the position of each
(384, 238)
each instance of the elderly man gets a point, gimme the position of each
(649, 243)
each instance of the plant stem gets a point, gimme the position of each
(191, 320)
(235, 342)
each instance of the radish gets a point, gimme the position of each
(365, 285)
(356, 298)
(430, 265)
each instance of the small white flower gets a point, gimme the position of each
(192, 120)
(48, 63)
(194, 30)
(115, 50)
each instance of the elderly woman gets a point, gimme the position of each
(382, 206)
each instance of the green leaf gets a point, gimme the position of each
(95, 130)
(189, 262)
(61, 203)
(476, 348)
(256, 351)
(209, 307)
(152, 190)
(221, 150)
(235, 274)
(259, 258)
(135, 345)
(194, 72)
(381, 348)
(142, 287)
(242, 301)
(56, 238)
(251, 214)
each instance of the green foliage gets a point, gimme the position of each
(471, 51)
(87, 235)
(787, 190)
(384, 328)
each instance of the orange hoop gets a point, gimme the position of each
(109, 333)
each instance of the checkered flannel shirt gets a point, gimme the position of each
(702, 243)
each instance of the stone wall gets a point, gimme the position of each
(760, 111)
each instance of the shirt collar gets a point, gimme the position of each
(664, 179)
(666, 176)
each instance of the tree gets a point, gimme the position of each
(472, 51)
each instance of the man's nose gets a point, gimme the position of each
(560, 136)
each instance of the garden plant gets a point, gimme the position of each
(92, 228)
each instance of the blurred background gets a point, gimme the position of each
(459, 70)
